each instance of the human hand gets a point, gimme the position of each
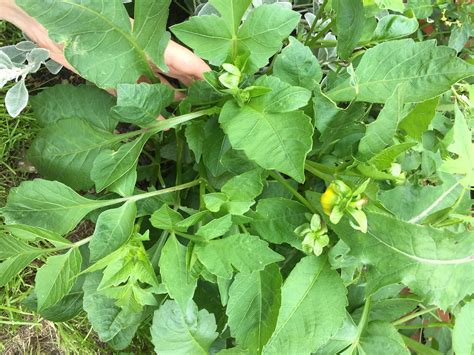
(183, 64)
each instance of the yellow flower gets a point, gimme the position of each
(329, 199)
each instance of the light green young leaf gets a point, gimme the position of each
(111, 167)
(297, 66)
(269, 130)
(463, 332)
(174, 273)
(112, 230)
(276, 219)
(426, 70)
(66, 150)
(49, 205)
(56, 278)
(167, 219)
(112, 324)
(381, 132)
(392, 27)
(436, 264)
(418, 120)
(174, 332)
(215, 228)
(105, 31)
(85, 102)
(217, 39)
(312, 308)
(238, 193)
(231, 11)
(254, 301)
(464, 148)
(241, 252)
(350, 20)
(141, 104)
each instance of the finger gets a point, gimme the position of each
(183, 64)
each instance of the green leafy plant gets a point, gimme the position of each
(311, 195)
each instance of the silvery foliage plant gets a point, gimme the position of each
(16, 62)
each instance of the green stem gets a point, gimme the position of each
(360, 327)
(418, 347)
(179, 165)
(424, 326)
(319, 14)
(293, 191)
(411, 316)
(192, 238)
(321, 33)
(169, 123)
(317, 170)
(155, 258)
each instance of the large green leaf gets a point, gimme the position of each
(392, 27)
(10, 246)
(101, 45)
(66, 150)
(112, 230)
(298, 66)
(380, 133)
(269, 130)
(11, 267)
(421, 8)
(86, 102)
(178, 333)
(111, 323)
(49, 205)
(218, 39)
(312, 308)
(463, 147)
(254, 301)
(116, 170)
(463, 332)
(141, 104)
(381, 338)
(242, 252)
(426, 70)
(395, 5)
(414, 203)
(56, 278)
(419, 119)
(276, 219)
(350, 25)
(436, 264)
(174, 273)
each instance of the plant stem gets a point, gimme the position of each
(423, 326)
(155, 193)
(413, 316)
(293, 191)
(418, 347)
(319, 14)
(318, 170)
(360, 327)
(192, 238)
(169, 123)
(155, 258)
(321, 33)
